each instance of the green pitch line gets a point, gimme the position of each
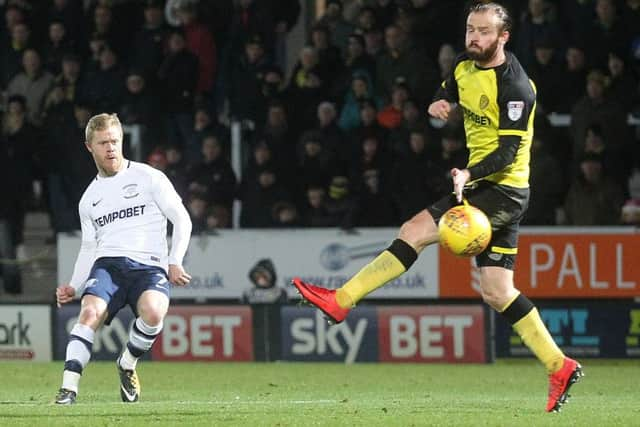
(508, 393)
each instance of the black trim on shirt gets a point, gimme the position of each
(498, 159)
(448, 90)
(514, 90)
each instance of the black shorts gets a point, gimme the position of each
(504, 206)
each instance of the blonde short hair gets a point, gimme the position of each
(101, 122)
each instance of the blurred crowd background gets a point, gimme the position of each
(336, 137)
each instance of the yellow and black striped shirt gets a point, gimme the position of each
(496, 102)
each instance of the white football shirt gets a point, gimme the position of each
(125, 215)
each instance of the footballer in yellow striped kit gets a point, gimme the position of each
(498, 103)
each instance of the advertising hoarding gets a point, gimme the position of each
(25, 332)
(398, 334)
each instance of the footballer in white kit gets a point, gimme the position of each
(123, 259)
(124, 215)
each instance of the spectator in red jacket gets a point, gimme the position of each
(200, 42)
(390, 116)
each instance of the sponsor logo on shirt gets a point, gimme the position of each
(476, 118)
(103, 220)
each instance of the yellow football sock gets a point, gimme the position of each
(383, 268)
(343, 299)
(535, 335)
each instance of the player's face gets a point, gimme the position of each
(106, 148)
(483, 37)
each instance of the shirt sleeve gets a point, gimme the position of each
(498, 159)
(448, 89)
(516, 102)
(171, 206)
(87, 253)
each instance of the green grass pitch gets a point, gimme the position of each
(508, 393)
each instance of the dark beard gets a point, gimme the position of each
(485, 55)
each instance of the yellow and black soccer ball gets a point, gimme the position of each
(464, 230)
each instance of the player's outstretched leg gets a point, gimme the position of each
(335, 304)
(141, 338)
(77, 357)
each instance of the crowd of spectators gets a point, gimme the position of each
(340, 138)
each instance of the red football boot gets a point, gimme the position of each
(323, 299)
(560, 382)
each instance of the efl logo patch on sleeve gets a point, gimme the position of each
(514, 109)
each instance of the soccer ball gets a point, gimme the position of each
(464, 230)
